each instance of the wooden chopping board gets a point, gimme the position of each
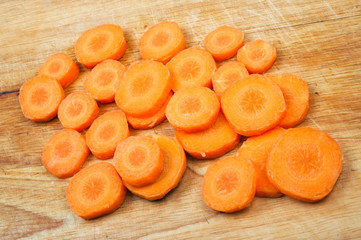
(318, 40)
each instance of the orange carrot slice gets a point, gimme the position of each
(95, 191)
(77, 111)
(258, 56)
(254, 105)
(161, 42)
(229, 184)
(305, 164)
(40, 98)
(100, 43)
(174, 165)
(192, 67)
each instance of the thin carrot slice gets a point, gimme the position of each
(144, 88)
(192, 67)
(210, 143)
(296, 94)
(61, 67)
(254, 105)
(258, 56)
(224, 42)
(305, 164)
(65, 153)
(103, 80)
(77, 111)
(139, 161)
(161, 42)
(152, 121)
(40, 98)
(229, 184)
(95, 191)
(257, 150)
(106, 132)
(100, 43)
(174, 165)
(192, 109)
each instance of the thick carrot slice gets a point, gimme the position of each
(77, 111)
(192, 67)
(296, 94)
(100, 43)
(210, 143)
(144, 88)
(305, 164)
(103, 80)
(95, 191)
(192, 109)
(254, 105)
(61, 67)
(258, 56)
(257, 150)
(152, 121)
(229, 184)
(224, 42)
(161, 42)
(106, 132)
(226, 75)
(174, 166)
(65, 153)
(139, 161)
(40, 98)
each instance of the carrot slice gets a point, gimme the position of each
(305, 164)
(257, 150)
(174, 165)
(103, 80)
(152, 121)
(258, 56)
(77, 111)
(106, 132)
(161, 42)
(192, 67)
(95, 191)
(192, 109)
(296, 94)
(144, 88)
(229, 184)
(100, 43)
(61, 67)
(254, 105)
(210, 143)
(226, 75)
(40, 98)
(224, 42)
(65, 153)
(138, 160)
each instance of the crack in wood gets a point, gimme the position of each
(9, 92)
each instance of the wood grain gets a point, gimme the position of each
(318, 40)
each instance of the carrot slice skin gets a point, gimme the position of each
(95, 191)
(174, 166)
(40, 98)
(61, 67)
(161, 42)
(224, 42)
(305, 164)
(106, 132)
(254, 105)
(210, 143)
(192, 67)
(100, 43)
(229, 184)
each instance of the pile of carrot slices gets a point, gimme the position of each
(209, 109)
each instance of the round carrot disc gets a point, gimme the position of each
(305, 164)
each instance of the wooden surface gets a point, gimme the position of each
(318, 40)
